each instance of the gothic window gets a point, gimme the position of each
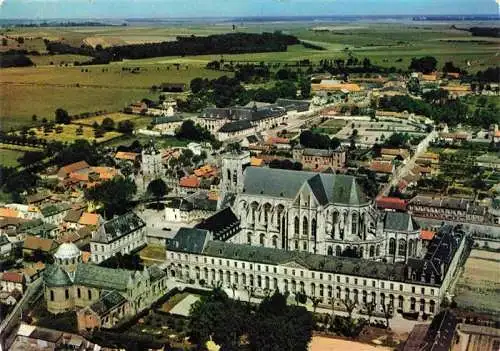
(305, 226)
(235, 178)
(392, 246)
(372, 250)
(51, 295)
(313, 228)
(228, 175)
(262, 239)
(296, 244)
(79, 293)
(402, 247)
(89, 293)
(304, 245)
(330, 251)
(275, 241)
(354, 223)
(377, 251)
(249, 238)
(296, 225)
(410, 247)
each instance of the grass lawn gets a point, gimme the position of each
(9, 158)
(152, 253)
(19, 102)
(174, 300)
(69, 134)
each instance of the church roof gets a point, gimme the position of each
(67, 250)
(400, 221)
(102, 277)
(108, 301)
(55, 276)
(328, 188)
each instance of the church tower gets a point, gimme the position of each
(151, 165)
(233, 165)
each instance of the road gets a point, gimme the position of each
(14, 317)
(403, 171)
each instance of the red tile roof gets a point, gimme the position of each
(427, 234)
(34, 242)
(73, 167)
(190, 182)
(382, 167)
(392, 203)
(13, 277)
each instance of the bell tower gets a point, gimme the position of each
(233, 165)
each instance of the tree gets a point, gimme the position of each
(62, 116)
(315, 302)
(426, 64)
(34, 118)
(125, 127)
(349, 305)
(208, 318)
(108, 124)
(157, 188)
(413, 86)
(370, 309)
(114, 195)
(277, 326)
(305, 88)
(397, 140)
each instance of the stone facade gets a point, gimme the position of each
(71, 285)
(151, 165)
(415, 286)
(122, 234)
(317, 159)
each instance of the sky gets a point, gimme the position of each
(95, 9)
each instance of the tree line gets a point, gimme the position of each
(231, 43)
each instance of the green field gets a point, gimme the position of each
(40, 90)
(9, 157)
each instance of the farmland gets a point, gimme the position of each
(40, 90)
(8, 157)
(478, 288)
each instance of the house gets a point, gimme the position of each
(293, 105)
(279, 143)
(122, 234)
(33, 338)
(65, 171)
(137, 108)
(34, 243)
(38, 198)
(55, 214)
(382, 167)
(10, 298)
(10, 281)
(71, 219)
(201, 204)
(319, 159)
(398, 154)
(189, 182)
(428, 158)
(6, 212)
(222, 225)
(390, 203)
(90, 219)
(5, 246)
(127, 156)
(447, 208)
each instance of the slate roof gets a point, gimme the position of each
(289, 104)
(400, 222)
(441, 332)
(219, 222)
(118, 227)
(236, 126)
(73, 216)
(329, 264)
(51, 210)
(328, 188)
(190, 240)
(165, 119)
(107, 302)
(101, 277)
(54, 276)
